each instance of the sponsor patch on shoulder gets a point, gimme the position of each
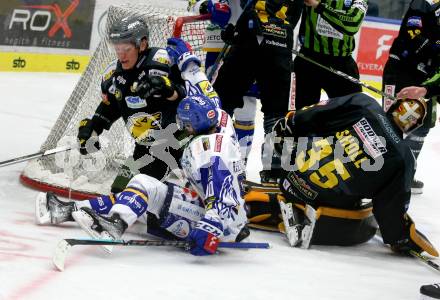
(414, 21)
(371, 141)
(109, 70)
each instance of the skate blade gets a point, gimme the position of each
(42, 214)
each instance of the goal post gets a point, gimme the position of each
(80, 177)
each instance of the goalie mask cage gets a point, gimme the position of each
(80, 177)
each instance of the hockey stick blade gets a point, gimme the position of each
(425, 260)
(63, 247)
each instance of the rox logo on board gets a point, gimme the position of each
(47, 23)
(38, 18)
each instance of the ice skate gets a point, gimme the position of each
(50, 210)
(100, 227)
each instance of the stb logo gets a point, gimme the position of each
(38, 18)
(72, 65)
(19, 63)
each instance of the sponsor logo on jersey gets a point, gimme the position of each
(206, 144)
(414, 22)
(301, 185)
(324, 28)
(121, 80)
(347, 3)
(162, 57)
(186, 209)
(179, 228)
(388, 128)
(275, 43)
(210, 114)
(140, 125)
(224, 119)
(371, 141)
(156, 72)
(274, 30)
(207, 89)
(135, 102)
(218, 143)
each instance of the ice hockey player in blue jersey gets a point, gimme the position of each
(204, 208)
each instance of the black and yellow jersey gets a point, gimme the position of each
(346, 148)
(121, 100)
(418, 42)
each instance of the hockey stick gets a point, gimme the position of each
(425, 260)
(226, 47)
(63, 246)
(344, 75)
(35, 155)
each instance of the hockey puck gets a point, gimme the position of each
(430, 291)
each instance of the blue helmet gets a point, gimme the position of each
(198, 111)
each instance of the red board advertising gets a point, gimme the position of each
(373, 49)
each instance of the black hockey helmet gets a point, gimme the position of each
(129, 29)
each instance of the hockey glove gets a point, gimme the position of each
(87, 137)
(229, 34)
(220, 12)
(413, 240)
(204, 237)
(180, 53)
(283, 128)
(157, 87)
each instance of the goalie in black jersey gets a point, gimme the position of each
(143, 87)
(337, 153)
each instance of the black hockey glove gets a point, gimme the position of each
(283, 128)
(413, 240)
(87, 137)
(229, 34)
(157, 87)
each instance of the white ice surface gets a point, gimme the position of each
(30, 104)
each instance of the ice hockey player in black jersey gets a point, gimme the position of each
(141, 88)
(341, 151)
(415, 57)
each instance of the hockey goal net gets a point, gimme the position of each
(79, 177)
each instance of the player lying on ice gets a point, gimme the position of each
(336, 154)
(205, 207)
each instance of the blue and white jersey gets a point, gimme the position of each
(213, 166)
